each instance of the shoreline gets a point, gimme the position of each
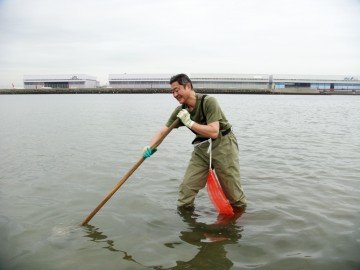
(285, 91)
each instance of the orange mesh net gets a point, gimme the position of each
(217, 196)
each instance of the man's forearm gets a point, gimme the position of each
(210, 131)
(158, 135)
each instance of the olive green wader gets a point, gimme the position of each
(225, 160)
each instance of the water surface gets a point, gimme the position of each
(60, 155)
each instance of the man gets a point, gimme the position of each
(203, 116)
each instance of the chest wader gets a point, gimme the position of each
(226, 161)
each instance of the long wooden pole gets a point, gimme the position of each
(129, 173)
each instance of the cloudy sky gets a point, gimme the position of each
(102, 37)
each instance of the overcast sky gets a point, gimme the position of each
(102, 37)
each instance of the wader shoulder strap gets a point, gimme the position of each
(203, 120)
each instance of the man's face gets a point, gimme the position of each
(179, 91)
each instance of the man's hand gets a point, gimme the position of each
(184, 116)
(147, 152)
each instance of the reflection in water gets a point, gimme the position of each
(99, 237)
(210, 240)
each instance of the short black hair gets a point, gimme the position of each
(181, 79)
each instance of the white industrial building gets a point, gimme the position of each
(71, 81)
(139, 80)
(199, 80)
(239, 81)
(229, 81)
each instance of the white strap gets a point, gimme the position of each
(209, 149)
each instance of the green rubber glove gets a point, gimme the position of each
(184, 116)
(147, 152)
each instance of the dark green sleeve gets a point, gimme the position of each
(214, 113)
(174, 116)
(212, 110)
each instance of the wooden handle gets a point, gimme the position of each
(129, 173)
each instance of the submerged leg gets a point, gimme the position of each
(195, 179)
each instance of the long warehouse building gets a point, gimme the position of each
(240, 81)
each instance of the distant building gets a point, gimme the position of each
(214, 81)
(60, 81)
(199, 80)
(319, 82)
(229, 81)
(130, 81)
(239, 81)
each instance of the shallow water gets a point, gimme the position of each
(60, 155)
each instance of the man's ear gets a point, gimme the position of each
(188, 86)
